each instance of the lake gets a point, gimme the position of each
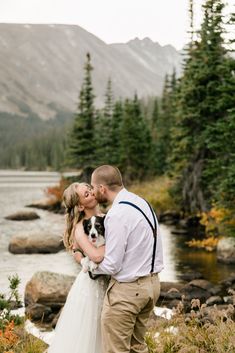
(17, 189)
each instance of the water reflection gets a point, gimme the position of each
(189, 260)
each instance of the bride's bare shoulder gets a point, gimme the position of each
(79, 227)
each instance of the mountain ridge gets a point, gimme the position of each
(41, 67)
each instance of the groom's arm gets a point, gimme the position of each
(116, 231)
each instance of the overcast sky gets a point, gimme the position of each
(164, 21)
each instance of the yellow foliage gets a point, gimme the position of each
(217, 221)
(208, 244)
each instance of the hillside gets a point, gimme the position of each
(41, 67)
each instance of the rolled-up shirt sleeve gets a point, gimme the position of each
(116, 232)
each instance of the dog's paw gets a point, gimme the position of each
(92, 266)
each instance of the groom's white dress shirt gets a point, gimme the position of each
(129, 240)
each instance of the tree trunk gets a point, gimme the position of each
(192, 192)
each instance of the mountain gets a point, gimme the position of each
(41, 67)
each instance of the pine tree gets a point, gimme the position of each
(81, 144)
(104, 142)
(165, 121)
(204, 100)
(115, 156)
(135, 144)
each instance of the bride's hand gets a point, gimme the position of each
(77, 255)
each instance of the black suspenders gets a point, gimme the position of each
(154, 228)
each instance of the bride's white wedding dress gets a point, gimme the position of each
(78, 327)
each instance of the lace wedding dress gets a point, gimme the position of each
(78, 327)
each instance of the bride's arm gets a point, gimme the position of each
(95, 254)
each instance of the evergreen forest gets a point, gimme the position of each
(187, 133)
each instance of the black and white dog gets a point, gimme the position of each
(94, 228)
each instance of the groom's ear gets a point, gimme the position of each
(85, 226)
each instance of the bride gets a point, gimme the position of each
(78, 327)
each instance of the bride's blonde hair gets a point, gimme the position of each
(73, 214)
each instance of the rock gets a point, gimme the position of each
(48, 288)
(35, 242)
(195, 292)
(214, 300)
(44, 204)
(190, 276)
(49, 203)
(229, 299)
(171, 294)
(226, 250)
(183, 223)
(56, 318)
(173, 303)
(202, 284)
(228, 282)
(179, 231)
(38, 312)
(169, 217)
(23, 216)
(167, 286)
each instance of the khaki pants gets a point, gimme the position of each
(125, 314)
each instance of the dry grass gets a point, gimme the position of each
(192, 335)
(157, 193)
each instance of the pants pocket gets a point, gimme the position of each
(110, 286)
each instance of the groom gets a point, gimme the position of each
(132, 258)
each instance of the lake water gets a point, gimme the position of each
(18, 189)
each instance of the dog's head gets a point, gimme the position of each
(94, 228)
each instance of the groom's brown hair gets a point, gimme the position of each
(108, 175)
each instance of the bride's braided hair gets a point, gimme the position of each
(73, 215)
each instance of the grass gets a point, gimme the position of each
(190, 335)
(14, 339)
(157, 193)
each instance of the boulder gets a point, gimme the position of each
(167, 286)
(35, 242)
(197, 289)
(55, 318)
(226, 250)
(190, 276)
(202, 284)
(37, 312)
(49, 203)
(214, 300)
(179, 231)
(48, 288)
(44, 204)
(169, 217)
(23, 216)
(229, 281)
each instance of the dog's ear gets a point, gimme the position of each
(101, 219)
(85, 226)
